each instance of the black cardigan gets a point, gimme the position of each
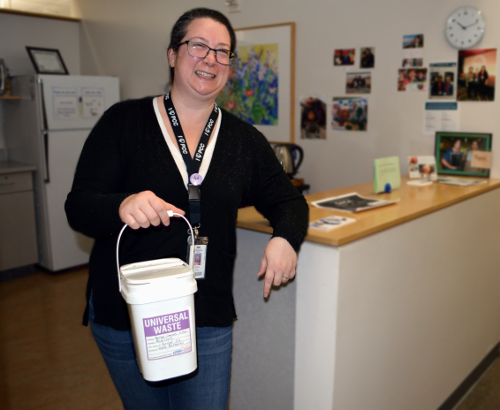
(126, 153)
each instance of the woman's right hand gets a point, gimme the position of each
(145, 209)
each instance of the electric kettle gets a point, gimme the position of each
(286, 154)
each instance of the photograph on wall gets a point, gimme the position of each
(367, 57)
(456, 153)
(251, 92)
(412, 79)
(350, 114)
(413, 46)
(442, 78)
(313, 118)
(412, 62)
(344, 57)
(477, 74)
(358, 83)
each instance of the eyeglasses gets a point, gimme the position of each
(200, 50)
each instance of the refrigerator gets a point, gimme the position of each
(47, 128)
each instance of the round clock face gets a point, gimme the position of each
(465, 27)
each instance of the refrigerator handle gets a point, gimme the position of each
(44, 138)
(44, 143)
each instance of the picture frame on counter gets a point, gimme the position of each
(47, 60)
(463, 153)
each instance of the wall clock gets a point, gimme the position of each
(465, 27)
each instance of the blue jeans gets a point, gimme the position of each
(205, 389)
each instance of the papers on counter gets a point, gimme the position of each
(460, 181)
(331, 222)
(352, 203)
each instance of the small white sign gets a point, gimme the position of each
(441, 116)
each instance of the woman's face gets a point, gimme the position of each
(411, 75)
(474, 146)
(202, 78)
(456, 146)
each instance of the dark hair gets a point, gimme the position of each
(180, 28)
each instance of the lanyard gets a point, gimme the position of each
(192, 164)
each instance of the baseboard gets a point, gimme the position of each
(470, 380)
(57, 272)
(15, 273)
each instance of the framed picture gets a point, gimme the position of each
(455, 152)
(47, 61)
(261, 86)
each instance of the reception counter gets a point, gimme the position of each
(393, 311)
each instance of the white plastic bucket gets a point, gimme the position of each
(159, 296)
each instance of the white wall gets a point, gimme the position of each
(128, 39)
(18, 31)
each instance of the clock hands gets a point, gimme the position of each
(463, 27)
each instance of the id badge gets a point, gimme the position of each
(200, 256)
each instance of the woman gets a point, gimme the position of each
(482, 77)
(470, 82)
(133, 169)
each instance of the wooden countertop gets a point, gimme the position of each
(413, 202)
(10, 167)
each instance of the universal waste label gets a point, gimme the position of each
(168, 335)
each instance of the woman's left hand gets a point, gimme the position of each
(278, 264)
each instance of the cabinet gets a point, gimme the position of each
(18, 244)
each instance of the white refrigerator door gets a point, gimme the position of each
(72, 105)
(77, 102)
(67, 247)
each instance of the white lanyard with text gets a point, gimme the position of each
(194, 180)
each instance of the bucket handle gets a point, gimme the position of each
(170, 215)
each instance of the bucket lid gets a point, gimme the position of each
(150, 281)
(141, 273)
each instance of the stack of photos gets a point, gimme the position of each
(422, 167)
(410, 77)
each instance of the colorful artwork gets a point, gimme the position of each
(350, 114)
(251, 92)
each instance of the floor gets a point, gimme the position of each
(486, 393)
(48, 360)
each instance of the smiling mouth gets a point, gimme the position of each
(205, 75)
